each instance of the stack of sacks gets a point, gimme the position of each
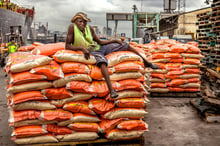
(29, 48)
(179, 67)
(66, 98)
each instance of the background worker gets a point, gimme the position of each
(82, 37)
(12, 47)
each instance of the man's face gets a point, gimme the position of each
(81, 24)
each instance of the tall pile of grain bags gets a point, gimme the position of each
(56, 95)
(179, 67)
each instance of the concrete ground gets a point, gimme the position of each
(172, 122)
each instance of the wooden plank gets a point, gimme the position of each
(214, 73)
(132, 142)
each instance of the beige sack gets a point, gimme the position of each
(36, 139)
(157, 80)
(159, 90)
(125, 75)
(188, 76)
(27, 65)
(75, 58)
(29, 87)
(122, 57)
(78, 136)
(162, 71)
(74, 97)
(75, 77)
(33, 105)
(31, 122)
(125, 113)
(188, 55)
(189, 66)
(192, 85)
(160, 60)
(129, 93)
(123, 134)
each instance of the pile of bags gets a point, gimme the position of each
(179, 66)
(56, 95)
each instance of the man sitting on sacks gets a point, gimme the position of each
(82, 37)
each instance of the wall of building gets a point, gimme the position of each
(187, 23)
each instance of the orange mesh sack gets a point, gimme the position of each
(29, 86)
(128, 84)
(133, 125)
(48, 49)
(73, 56)
(52, 71)
(124, 113)
(195, 89)
(73, 67)
(86, 127)
(71, 77)
(107, 125)
(176, 72)
(26, 131)
(128, 66)
(176, 89)
(25, 77)
(193, 43)
(121, 56)
(192, 49)
(16, 116)
(26, 96)
(100, 106)
(117, 134)
(56, 93)
(157, 55)
(95, 72)
(53, 128)
(178, 48)
(99, 87)
(131, 102)
(159, 49)
(57, 115)
(125, 75)
(78, 86)
(176, 82)
(158, 85)
(78, 107)
(26, 48)
(26, 62)
(192, 70)
(172, 55)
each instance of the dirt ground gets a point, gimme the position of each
(172, 122)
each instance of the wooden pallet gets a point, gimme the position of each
(175, 95)
(132, 142)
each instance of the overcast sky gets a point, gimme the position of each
(59, 12)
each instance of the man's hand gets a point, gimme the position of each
(86, 53)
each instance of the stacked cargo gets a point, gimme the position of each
(56, 95)
(179, 67)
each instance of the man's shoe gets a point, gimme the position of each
(154, 66)
(113, 94)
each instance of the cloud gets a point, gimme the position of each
(59, 12)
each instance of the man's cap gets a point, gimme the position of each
(80, 15)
